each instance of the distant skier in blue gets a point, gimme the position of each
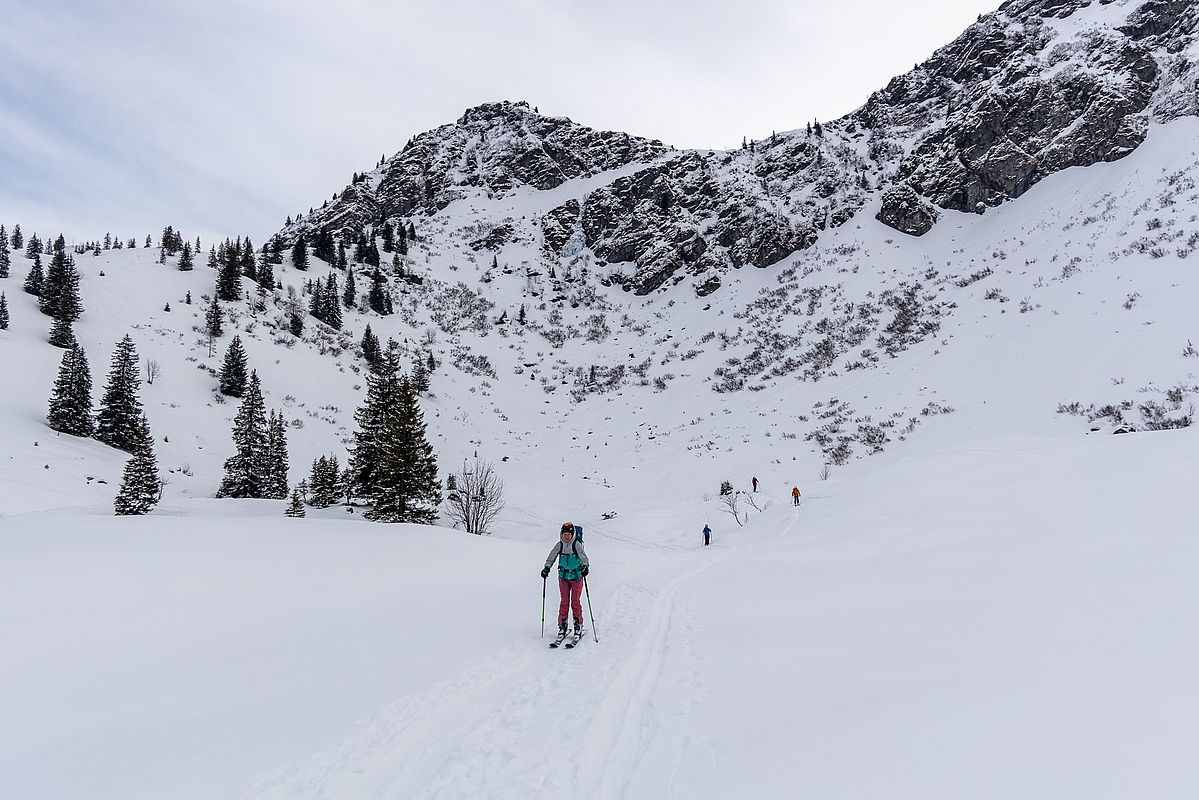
(707, 536)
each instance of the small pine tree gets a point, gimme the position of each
(233, 371)
(3, 312)
(266, 269)
(213, 318)
(186, 262)
(276, 456)
(295, 509)
(5, 256)
(247, 470)
(370, 348)
(228, 282)
(295, 323)
(350, 297)
(299, 254)
(379, 298)
(71, 402)
(36, 278)
(18, 239)
(249, 268)
(60, 289)
(120, 408)
(140, 487)
(420, 375)
(522, 317)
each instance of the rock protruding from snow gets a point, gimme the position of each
(904, 211)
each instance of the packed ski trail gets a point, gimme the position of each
(498, 729)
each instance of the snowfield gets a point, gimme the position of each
(1005, 619)
(990, 596)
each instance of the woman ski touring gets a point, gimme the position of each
(573, 566)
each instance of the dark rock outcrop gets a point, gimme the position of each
(904, 211)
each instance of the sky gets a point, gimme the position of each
(223, 117)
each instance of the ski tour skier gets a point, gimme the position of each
(755, 484)
(573, 566)
(795, 495)
(707, 535)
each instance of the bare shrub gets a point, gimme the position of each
(476, 497)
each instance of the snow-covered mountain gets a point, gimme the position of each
(929, 314)
(1036, 87)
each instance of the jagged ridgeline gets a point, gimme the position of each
(1034, 88)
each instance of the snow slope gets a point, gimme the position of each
(989, 597)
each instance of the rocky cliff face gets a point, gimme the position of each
(1033, 88)
(492, 148)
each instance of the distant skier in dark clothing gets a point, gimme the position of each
(755, 484)
(707, 536)
(573, 566)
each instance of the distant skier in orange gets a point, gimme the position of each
(795, 495)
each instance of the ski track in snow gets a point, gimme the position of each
(497, 728)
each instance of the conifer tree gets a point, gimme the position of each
(120, 408)
(350, 297)
(299, 253)
(34, 247)
(276, 445)
(213, 318)
(71, 401)
(214, 261)
(382, 393)
(3, 312)
(407, 488)
(233, 371)
(420, 375)
(60, 289)
(341, 255)
(140, 487)
(522, 317)
(370, 347)
(36, 278)
(186, 262)
(246, 263)
(61, 333)
(5, 256)
(246, 471)
(295, 322)
(401, 241)
(228, 282)
(266, 270)
(379, 298)
(295, 509)
(18, 239)
(324, 483)
(332, 304)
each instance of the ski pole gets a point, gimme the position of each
(543, 582)
(589, 611)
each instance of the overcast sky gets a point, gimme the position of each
(224, 116)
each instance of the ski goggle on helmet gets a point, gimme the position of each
(568, 527)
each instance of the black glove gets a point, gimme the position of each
(586, 569)
(545, 573)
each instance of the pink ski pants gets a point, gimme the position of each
(572, 593)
